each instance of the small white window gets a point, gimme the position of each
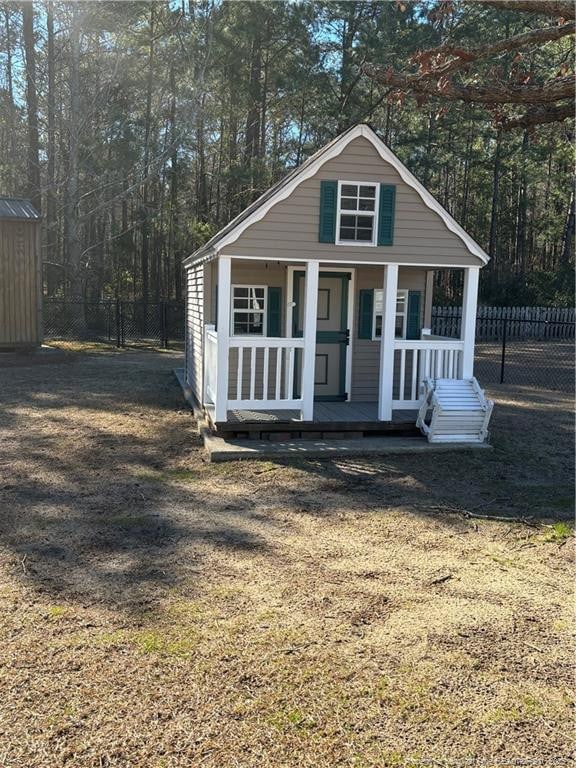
(249, 310)
(357, 213)
(401, 314)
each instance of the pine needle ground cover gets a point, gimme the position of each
(159, 611)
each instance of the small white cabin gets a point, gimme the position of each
(311, 310)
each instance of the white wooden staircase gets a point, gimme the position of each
(460, 411)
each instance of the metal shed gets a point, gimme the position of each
(20, 274)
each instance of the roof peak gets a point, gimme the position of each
(279, 191)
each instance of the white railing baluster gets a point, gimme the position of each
(239, 373)
(265, 373)
(290, 387)
(402, 373)
(252, 373)
(277, 391)
(414, 385)
(438, 364)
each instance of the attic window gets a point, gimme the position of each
(357, 206)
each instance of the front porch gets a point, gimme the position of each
(330, 420)
(256, 384)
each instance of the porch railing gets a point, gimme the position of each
(210, 363)
(265, 373)
(416, 360)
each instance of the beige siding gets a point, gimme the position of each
(20, 284)
(270, 273)
(365, 352)
(194, 329)
(290, 228)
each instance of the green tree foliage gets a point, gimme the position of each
(175, 115)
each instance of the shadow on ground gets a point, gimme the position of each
(105, 495)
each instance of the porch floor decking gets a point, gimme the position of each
(324, 413)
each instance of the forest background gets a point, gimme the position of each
(139, 128)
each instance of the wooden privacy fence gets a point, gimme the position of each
(513, 322)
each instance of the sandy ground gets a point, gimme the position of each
(156, 610)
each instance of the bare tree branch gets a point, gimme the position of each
(437, 65)
(539, 116)
(495, 93)
(465, 57)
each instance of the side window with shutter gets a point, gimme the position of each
(386, 213)
(365, 313)
(274, 319)
(328, 202)
(413, 326)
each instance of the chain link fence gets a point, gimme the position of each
(512, 350)
(155, 324)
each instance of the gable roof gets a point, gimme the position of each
(17, 208)
(282, 189)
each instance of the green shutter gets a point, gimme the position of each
(386, 214)
(274, 320)
(328, 201)
(413, 326)
(365, 313)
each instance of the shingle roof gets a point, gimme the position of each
(17, 208)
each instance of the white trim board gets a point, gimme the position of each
(313, 167)
(334, 265)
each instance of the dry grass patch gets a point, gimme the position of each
(159, 611)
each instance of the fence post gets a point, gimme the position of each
(118, 333)
(122, 329)
(503, 361)
(165, 321)
(163, 326)
(108, 320)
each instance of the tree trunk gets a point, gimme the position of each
(521, 214)
(145, 228)
(173, 227)
(73, 240)
(252, 144)
(10, 175)
(33, 174)
(51, 223)
(232, 197)
(568, 238)
(495, 192)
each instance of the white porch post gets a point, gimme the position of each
(468, 327)
(387, 342)
(309, 351)
(223, 328)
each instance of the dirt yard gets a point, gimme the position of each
(160, 612)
